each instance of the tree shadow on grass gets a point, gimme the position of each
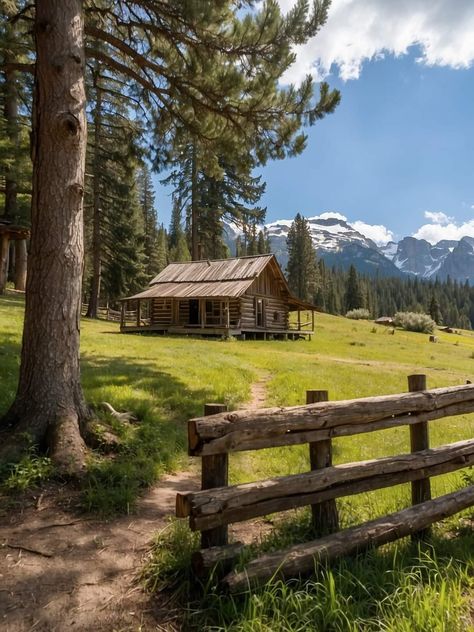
(149, 448)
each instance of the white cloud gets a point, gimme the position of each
(331, 215)
(437, 217)
(436, 232)
(361, 30)
(377, 232)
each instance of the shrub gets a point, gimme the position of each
(413, 321)
(358, 314)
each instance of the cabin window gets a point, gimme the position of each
(215, 312)
(276, 317)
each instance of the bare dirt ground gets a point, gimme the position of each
(61, 571)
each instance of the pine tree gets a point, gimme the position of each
(353, 296)
(117, 242)
(150, 221)
(434, 310)
(302, 270)
(161, 250)
(177, 243)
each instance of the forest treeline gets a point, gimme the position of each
(337, 291)
(212, 182)
(173, 105)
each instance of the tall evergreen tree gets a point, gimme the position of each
(353, 297)
(118, 243)
(302, 270)
(177, 243)
(434, 310)
(150, 222)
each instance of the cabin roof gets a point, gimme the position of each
(220, 278)
(187, 289)
(235, 269)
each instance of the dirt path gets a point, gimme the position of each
(62, 572)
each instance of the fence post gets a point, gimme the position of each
(325, 516)
(419, 440)
(214, 473)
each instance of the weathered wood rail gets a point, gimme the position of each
(317, 423)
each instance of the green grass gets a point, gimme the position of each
(167, 380)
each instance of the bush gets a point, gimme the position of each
(413, 321)
(358, 314)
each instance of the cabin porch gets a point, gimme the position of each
(208, 317)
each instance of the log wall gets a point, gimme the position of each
(161, 312)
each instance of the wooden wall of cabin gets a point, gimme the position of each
(276, 313)
(161, 312)
(267, 284)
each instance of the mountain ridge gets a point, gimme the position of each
(339, 244)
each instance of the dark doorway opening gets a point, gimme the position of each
(194, 312)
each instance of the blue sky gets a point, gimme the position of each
(399, 150)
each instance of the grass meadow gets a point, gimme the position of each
(167, 380)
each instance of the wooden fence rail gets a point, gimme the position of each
(219, 504)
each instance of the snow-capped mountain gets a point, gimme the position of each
(340, 244)
(328, 234)
(446, 258)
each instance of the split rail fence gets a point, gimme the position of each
(217, 434)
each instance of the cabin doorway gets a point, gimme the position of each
(259, 312)
(194, 311)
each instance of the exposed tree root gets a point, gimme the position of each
(57, 435)
(63, 434)
(66, 445)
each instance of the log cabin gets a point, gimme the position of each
(242, 297)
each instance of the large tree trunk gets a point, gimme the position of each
(49, 405)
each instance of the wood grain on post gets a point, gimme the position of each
(324, 514)
(419, 440)
(214, 473)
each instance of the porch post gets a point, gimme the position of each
(139, 306)
(122, 314)
(202, 310)
(299, 320)
(227, 306)
(312, 320)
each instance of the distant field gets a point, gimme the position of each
(166, 380)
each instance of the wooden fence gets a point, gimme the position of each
(219, 433)
(106, 313)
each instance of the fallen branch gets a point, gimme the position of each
(126, 416)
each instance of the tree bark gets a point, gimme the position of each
(49, 406)
(21, 262)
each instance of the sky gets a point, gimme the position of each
(397, 156)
